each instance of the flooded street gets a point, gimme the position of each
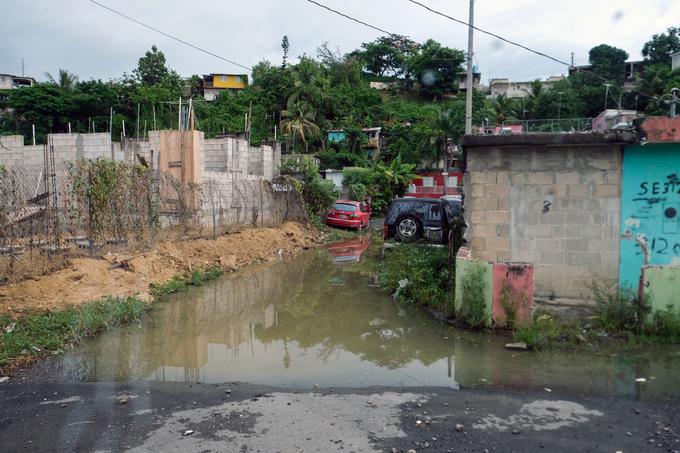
(316, 320)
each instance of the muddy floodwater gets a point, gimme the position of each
(318, 319)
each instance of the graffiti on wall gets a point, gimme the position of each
(650, 209)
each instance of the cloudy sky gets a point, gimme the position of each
(94, 43)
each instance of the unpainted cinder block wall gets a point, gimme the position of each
(556, 207)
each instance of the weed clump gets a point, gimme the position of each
(427, 274)
(664, 326)
(472, 308)
(546, 331)
(617, 311)
(42, 332)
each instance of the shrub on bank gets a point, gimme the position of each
(423, 273)
(36, 334)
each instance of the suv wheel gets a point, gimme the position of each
(408, 229)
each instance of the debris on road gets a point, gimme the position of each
(519, 346)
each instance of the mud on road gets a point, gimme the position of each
(148, 416)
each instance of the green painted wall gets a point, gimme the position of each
(463, 268)
(662, 287)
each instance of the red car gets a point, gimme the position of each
(349, 214)
(349, 251)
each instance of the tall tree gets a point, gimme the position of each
(298, 121)
(502, 107)
(437, 68)
(387, 55)
(659, 48)
(65, 79)
(285, 46)
(609, 62)
(151, 68)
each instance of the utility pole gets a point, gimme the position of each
(606, 94)
(469, 84)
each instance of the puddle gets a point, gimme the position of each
(317, 320)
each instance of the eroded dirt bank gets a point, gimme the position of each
(87, 279)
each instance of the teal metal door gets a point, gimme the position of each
(650, 209)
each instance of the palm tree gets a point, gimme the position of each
(502, 107)
(396, 175)
(66, 80)
(298, 120)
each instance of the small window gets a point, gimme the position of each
(223, 78)
(345, 207)
(452, 181)
(238, 78)
(428, 181)
(435, 212)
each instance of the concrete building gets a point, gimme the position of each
(631, 70)
(675, 61)
(214, 84)
(476, 80)
(553, 200)
(614, 119)
(8, 82)
(518, 90)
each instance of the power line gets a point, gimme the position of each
(522, 46)
(352, 18)
(170, 36)
(514, 43)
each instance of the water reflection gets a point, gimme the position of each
(309, 321)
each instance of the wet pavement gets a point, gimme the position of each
(309, 355)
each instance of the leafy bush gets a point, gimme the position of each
(544, 332)
(317, 193)
(617, 311)
(429, 281)
(473, 311)
(382, 182)
(664, 325)
(357, 192)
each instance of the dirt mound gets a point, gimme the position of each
(89, 279)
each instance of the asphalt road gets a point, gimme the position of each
(39, 414)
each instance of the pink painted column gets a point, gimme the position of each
(513, 285)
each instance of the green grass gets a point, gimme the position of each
(336, 234)
(426, 268)
(547, 331)
(196, 278)
(37, 334)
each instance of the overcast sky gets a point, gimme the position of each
(94, 43)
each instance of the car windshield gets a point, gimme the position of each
(345, 207)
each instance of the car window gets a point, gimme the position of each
(435, 212)
(345, 207)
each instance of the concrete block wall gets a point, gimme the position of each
(11, 150)
(132, 147)
(67, 147)
(34, 155)
(245, 201)
(556, 207)
(217, 154)
(255, 159)
(91, 146)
